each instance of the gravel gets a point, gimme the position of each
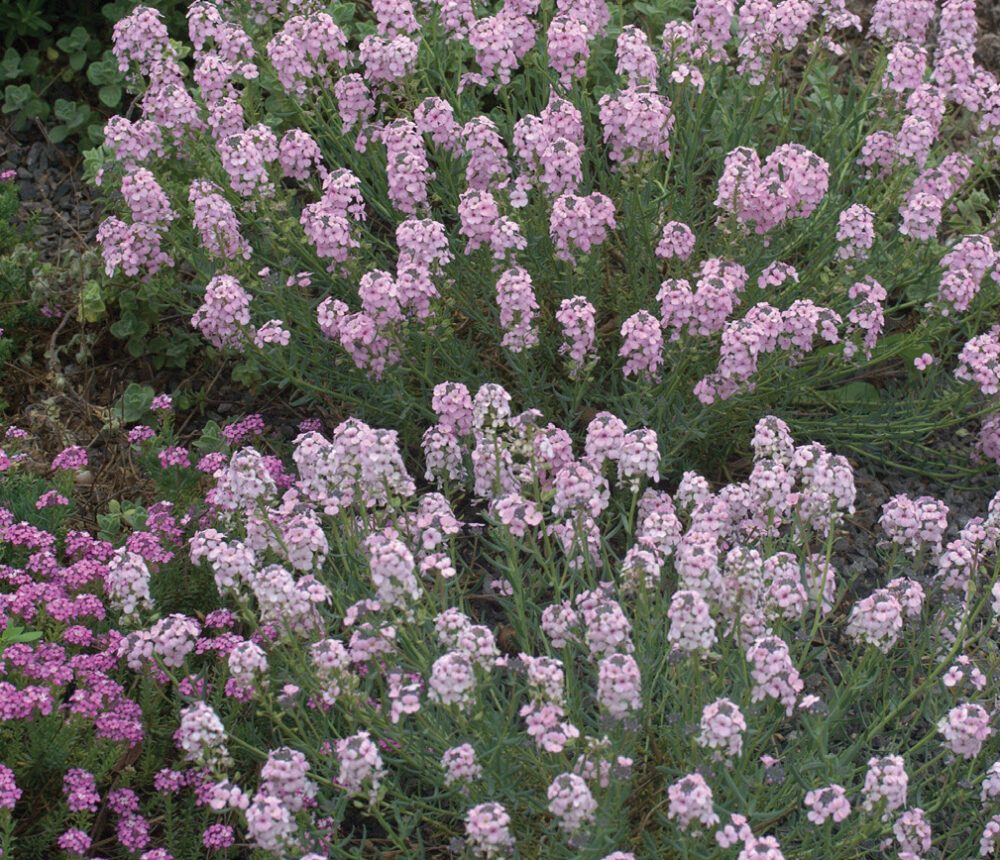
(52, 190)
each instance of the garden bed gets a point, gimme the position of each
(599, 462)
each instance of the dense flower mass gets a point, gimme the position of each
(303, 517)
(442, 149)
(654, 298)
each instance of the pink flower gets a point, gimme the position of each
(516, 299)
(9, 792)
(576, 316)
(829, 802)
(619, 685)
(877, 620)
(360, 762)
(74, 842)
(965, 729)
(643, 345)
(636, 120)
(571, 802)
(174, 456)
(460, 765)
(690, 799)
(677, 240)
(580, 222)
(80, 790)
(887, 780)
(487, 828)
(913, 832)
(692, 628)
(987, 843)
(69, 459)
(722, 727)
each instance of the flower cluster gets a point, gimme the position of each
(830, 802)
(312, 169)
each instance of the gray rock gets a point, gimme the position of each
(28, 190)
(38, 159)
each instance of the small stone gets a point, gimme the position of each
(37, 157)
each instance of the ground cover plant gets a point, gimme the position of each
(688, 218)
(538, 653)
(558, 262)
(57, 70)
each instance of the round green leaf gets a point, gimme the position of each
(110, 94)
(92, 306)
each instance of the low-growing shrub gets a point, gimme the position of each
(647, 227)
(738, 212)
(545, 655)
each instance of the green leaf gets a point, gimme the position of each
(10, 66)
(649, 10)
(104, 71)
(968, 209)
(157, 349)
(94, 159)
(343, 13)
(65, 110)
(38, 107)
(857, 393)
(92, 306)
(134, 404)
(78, 60)
(279, 105)
(181, 51)
(117, 10)
(247, 373)
(59, 133)
(907, 346)
(16, 97)
(82, 117)
(107, 524)
(211, 439)
(74, 42)
(15, 633)
(30, 63)
(136, 347)
(122, 328)
(110, 94)
(134, 514)
(137, 326)
(921, 291)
